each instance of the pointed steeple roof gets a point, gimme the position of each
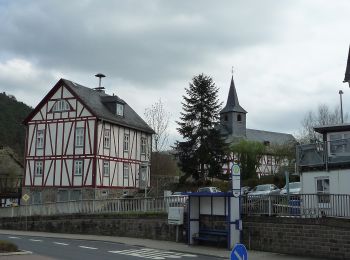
(232, 104)
(347, 72)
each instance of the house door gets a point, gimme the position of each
(143, 180)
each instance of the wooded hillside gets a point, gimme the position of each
(12, 131)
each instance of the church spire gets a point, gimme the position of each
(232, 104)
(347, 72)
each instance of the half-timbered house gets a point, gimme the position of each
(84, 144)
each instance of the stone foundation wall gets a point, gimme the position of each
(323, 238)
(140, 226)
(50, 194)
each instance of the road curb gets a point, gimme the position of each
(21, 252)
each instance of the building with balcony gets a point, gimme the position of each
(324, 167)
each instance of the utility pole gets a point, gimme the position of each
(341, 106)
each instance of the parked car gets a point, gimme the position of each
(294, 188)
(209, 189)
(264, 189)
(245, 190)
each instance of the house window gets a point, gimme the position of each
(143, 145)
(79, 137)
(38, 168)
(78, 168)
(339, 143)
(106, 168)
(322, 190)
(75, 195)
(107, 138)
(120, 109)
(61, 105)
(40, 139)
(126, 172)
(126, 143)
(62, 195)
(36, 197)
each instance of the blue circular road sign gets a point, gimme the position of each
(239, 252)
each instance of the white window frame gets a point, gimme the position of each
(126, 142)
(119, 109)
(40, 139)
(106, 169)
(143, 145)
(323, 195)
(38, 168)
(126, 172)
(78, 167)
(61, 105)
(79, 136)
(107, 138)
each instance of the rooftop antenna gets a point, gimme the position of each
(99, 76)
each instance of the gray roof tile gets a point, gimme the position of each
(93, 100)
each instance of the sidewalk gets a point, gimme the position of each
(155, 244)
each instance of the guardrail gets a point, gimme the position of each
(303, 205)
(159, 204)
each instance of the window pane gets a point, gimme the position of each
(62, 195)
(75, 195)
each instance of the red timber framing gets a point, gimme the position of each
(60, 152)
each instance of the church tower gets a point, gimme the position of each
(233, 116)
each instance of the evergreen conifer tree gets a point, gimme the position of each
(201, 151)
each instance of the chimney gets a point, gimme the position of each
(99, 88)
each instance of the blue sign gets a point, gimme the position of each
(239, 252)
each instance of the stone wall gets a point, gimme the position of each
(151, 226)
(324, 237)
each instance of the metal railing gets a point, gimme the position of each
(323, 153)
(106, 206)
(303, 205)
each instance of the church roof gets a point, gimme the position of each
(347, 72)
(232, 104)
(267, 136)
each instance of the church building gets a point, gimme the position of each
(233, 121)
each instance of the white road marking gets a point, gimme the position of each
(59, 243)
(152, 254)
(87, 247)
(15, 237)
(36, 240)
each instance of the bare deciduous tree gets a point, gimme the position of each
(323, 116)
(158, 118)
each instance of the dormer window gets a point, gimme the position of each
(120, 109)
(61, 105)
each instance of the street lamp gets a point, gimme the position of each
(341, 106)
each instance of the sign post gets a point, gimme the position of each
(235, 214)
(26, 197)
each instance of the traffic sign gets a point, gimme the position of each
(25, 197)
(236, 170)
(239, 252)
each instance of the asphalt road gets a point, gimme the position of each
(58, 248)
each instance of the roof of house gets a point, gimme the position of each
(94, 99)
(232, 104)
(332, 128)
(347, 71)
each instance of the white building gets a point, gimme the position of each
(82, 144)
(325, 167)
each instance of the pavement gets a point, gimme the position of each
(155, 244)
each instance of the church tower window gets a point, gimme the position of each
(239, 118)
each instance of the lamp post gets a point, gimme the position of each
(341, 106)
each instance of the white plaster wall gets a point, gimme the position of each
(339, 181)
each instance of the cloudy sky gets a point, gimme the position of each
(288, 56)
